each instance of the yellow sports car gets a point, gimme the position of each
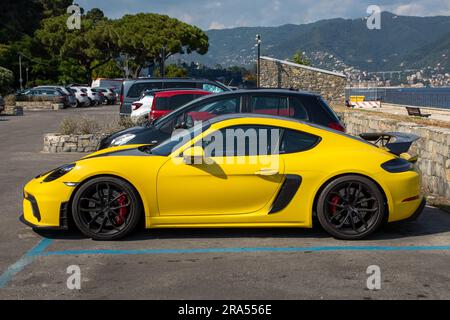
(234, 171)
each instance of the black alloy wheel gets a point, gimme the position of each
(351, 208)
(106, 208)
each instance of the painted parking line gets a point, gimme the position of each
(24, 261)
(238, 250)
(40, 251)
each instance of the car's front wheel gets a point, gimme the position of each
(106, 208)
(351, 207)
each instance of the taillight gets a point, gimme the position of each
(121, 99)
(100, 94)
(336, 126)
(136, 106)
(152, 115)
(83, 95)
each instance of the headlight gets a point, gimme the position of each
(120, 141)
(58, 173)
(397, 166)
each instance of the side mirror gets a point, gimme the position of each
(193, 155)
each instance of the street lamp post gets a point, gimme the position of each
(258, 62)
(163, 61)
(20, 72)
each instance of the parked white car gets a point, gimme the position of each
(94, 98)
(141, 109)
(82, 97)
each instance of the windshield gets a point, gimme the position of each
(177, 140)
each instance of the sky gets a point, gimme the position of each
(218, 14)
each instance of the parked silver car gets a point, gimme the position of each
(108, 94)
(82, 97)
(72, 100)
(94, 98)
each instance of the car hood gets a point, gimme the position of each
(117, 151)
(143, 135)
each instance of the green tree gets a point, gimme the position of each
(108, 70)
(142, 37)
(172, 71)
(22, 17)
(300, 58)
(89, 48)
(6, 80)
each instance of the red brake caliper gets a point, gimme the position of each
(120, 219)
(334, 202)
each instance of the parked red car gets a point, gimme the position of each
(157, 103)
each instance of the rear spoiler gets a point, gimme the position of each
(395, 142)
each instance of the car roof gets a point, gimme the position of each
(277, 90)
(286, 119)
(171, 93)
(168, 80)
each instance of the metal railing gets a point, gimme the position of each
(421, 97)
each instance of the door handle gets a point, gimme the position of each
(267, 172)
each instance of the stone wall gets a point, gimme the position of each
(433, 148)
(284, 74)
(55, 143)
(39, 105)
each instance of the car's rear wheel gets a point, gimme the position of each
(106, 208)
(351, 207)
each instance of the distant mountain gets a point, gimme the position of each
(404, 42)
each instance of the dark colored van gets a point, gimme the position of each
(132, 89)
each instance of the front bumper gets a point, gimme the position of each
(22, 219)
(45, 205)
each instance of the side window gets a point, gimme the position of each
(137, 88)
(277, 106)
(295, 141)
(182, 85)
(211, 110)
(179, 100)
(313, 106)
(237, 141)
(212, 88)
(298, 109)
(202, 112)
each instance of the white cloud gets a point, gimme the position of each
(216, 25)
(218, 14)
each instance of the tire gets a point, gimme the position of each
(106, 208)
(351, 207)
(91, 102)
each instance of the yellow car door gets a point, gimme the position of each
(224, 183)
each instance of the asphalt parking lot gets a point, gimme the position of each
(414, 258)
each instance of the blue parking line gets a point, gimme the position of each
(238, 250)
(24, 261)
(39, 251)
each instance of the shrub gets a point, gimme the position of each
(85, 125)
(6, 79)
(10, 100)
(36, 99)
